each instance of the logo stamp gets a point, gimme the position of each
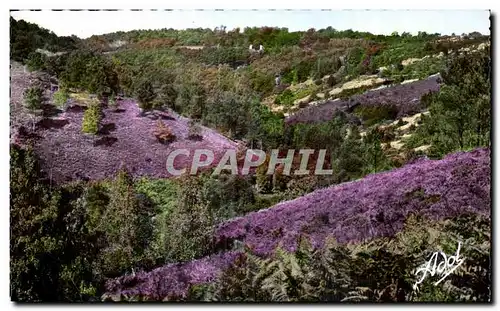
(439, 264)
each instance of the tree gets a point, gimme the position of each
(35, 61)
(91, 72)
(374, 156)
(33, 98)
(349, 161)
(32, 241)
(460, 114)
(190, 226)
(127, 227)
(145, 94)
(92, 119)
(61, 97)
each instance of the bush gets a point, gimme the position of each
(145, 95)
(401, 122)
(375, 114)
(331, 81)
(194, 131)
(61, 97)
(163, 133)
(33, 98)
(112, 101)
(91, 119)
(286, 98)
(35, 62)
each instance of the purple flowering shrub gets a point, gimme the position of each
(375, 206)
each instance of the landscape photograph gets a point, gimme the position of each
(250, 156)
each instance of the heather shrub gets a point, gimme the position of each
(92, 119)
(33, 98)
(163, 133)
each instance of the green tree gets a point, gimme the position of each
(33, 98)
(145, 94)
(61, 97)
(127, 227)
(92, 119)
(190, 226)
(374, 156)
(460, 114)
(35, 61)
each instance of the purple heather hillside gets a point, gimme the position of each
(69, 154)
(406, 97)
(374, 206)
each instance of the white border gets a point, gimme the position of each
(187, 4)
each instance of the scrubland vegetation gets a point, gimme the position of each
(355, 235)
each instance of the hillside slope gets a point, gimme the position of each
(371, 207)
(126, 138)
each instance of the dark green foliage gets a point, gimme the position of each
(286, 98)
(91, 72)
(375, 158)
(325, 66)
(191, 224)
(349, 161)
(325, 135)
(460, 114)
(381, 270)
(145, 94)
(191, 100)
(166, 96)
(230, 195)
(230, 113)
(25, 38)
(61, 97)
(266, 129)
(35, 61)
(127, 227)
(66, 241)
(262, 83)
(32, 240)
(33, 98)
(375, 114)
(47, 224)
(228, 55)
(353, 61)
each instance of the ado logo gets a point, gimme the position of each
(441, 265)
